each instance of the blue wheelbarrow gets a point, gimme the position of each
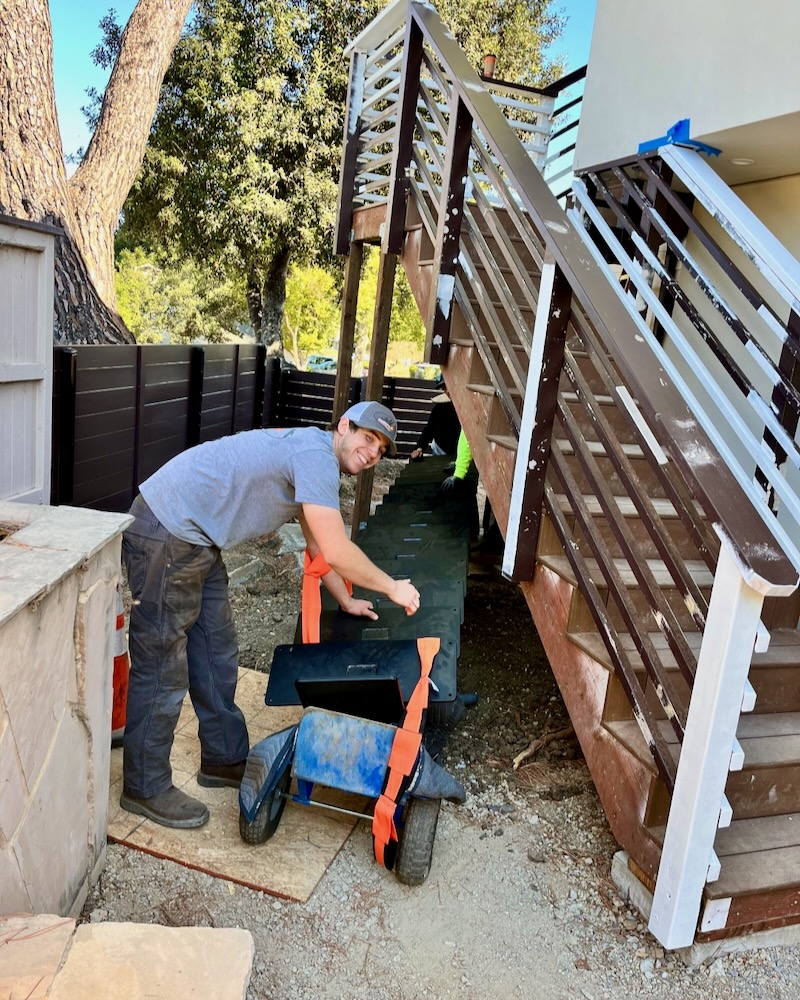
(349, 754)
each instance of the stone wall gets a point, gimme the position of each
(59, 568)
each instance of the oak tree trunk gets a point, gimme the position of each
(33, 178)
(273, 301)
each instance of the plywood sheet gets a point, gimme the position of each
(289, 865)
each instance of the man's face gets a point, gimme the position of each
(359, 448)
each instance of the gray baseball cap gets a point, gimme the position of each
(375, 417)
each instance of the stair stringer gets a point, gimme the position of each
(622, 781)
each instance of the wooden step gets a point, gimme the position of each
(597, 449)
(507, 441)
(767, 783)
(664, 508)
(756, 855)
(773, 674)
(559, 564)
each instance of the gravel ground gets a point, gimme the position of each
(519, 901)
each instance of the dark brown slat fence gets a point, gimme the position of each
(120, 413)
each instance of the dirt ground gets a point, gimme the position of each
(519, 901)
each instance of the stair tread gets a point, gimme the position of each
(756, 855)
(664, 508)
(597, 448)
(698, 570)
(758, 871)
(767, 740)
(747, 836)
(784, 648)
(504, 440)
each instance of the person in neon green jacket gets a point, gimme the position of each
(462, 464)
(464, 475)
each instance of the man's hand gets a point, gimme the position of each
(450, 484)
(406, 595)
(360, 608)
(416, 455)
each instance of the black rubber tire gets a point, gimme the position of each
(415, 847)
(268, 815)
(445, 714)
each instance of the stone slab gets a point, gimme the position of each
(289, 865)
(145, 962)
(31, 952)
(48, 547)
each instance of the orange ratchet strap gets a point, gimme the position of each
(402, 758)
(311, 602)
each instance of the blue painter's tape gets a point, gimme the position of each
(679, 135)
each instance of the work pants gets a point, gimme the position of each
(182, 636)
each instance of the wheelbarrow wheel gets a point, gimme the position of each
(415, 847)
(268, 815)
(446, 714)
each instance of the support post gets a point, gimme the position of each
(734, 613)
(404, 143)
(377, 367)
(63, 478)
(536, 428)
(347, 172)
(448, 233)
(347, 329)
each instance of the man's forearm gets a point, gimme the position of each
(352, 564)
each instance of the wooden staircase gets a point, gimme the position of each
(645, 565)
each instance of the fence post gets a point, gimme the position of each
(237, 353)
(272, 391)
(137, 427)
(66, 373)
(257, 416)
(196, 373)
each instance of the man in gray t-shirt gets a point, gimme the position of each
(182, 634)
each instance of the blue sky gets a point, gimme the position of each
(75, 35)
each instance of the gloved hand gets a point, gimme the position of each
(450, 484)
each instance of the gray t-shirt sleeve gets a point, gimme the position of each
(309, 485)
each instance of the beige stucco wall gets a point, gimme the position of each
(777, 204)
(58, 573)
(720, 63)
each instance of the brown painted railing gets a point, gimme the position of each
(568, 368)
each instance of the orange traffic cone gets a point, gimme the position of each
(122, 666)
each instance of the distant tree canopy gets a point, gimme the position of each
(33, 178)
(241, 170)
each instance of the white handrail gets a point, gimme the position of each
(781, 269)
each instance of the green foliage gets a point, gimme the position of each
(516, 31)
(311, 314)
(406, 323)
(243, 157)
(178, 303)
(241, 170)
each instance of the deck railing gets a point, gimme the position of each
(565, 359)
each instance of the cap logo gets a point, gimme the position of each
(385, 423)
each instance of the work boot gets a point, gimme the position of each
(172, 808)
(221, 775)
